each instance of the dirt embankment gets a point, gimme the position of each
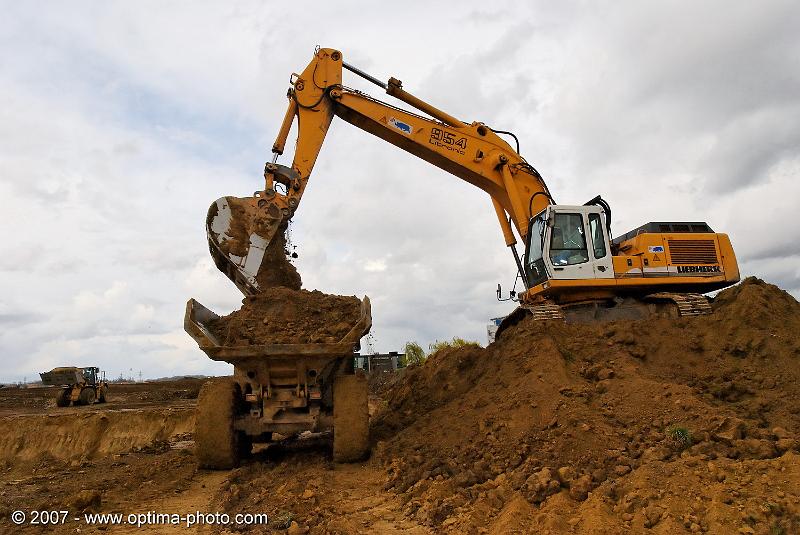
(685, 425)
(664, 426)
(87, 435)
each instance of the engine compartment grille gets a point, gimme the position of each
(695, 252)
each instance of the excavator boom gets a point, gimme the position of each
(240, 230)
(569, 257)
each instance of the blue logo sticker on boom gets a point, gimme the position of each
(400, 125)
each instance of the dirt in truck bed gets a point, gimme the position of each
(284, 316)
(281, 313)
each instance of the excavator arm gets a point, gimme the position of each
(473, 152)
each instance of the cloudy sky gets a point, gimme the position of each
(120, 122)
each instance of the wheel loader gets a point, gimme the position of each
(80, 386)
(572, 268)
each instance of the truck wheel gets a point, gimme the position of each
(87, 396)
(63, 397)
(350, 418)
(216, 442)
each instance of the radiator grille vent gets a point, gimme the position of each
(695, 252)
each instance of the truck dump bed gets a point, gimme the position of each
(62, 376)
(196, 321)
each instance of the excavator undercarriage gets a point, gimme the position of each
(661, 304)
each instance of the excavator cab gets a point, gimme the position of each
(568, 242)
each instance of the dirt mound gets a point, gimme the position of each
(625, 413)
(284, 316)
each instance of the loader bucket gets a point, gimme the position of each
(239, 230)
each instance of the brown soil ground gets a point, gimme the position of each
(284, 316)
(135, 455)
(37, 400)
(125, 455)
(664, 426)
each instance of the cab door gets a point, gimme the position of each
(600, 249)
(568, 254)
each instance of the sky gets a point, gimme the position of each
(121, 122)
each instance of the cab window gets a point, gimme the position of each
(598, 240)
(568, 240)
(535, 269)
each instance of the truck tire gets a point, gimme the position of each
(216, 442)
(87, 396)
(63, 397)
(350, 418)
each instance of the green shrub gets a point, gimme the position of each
(414, 354)
(455, 342)
(681, 437)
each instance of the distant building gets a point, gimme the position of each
(379, 362)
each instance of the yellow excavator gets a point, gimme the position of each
(571, 268)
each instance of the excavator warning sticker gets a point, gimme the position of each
(656, 248)
(400, 125)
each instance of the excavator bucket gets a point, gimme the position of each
(239, 230)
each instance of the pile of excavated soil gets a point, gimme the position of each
(686, 425)
(285, 316)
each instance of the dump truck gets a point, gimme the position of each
(80, 386)
(279, 388)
